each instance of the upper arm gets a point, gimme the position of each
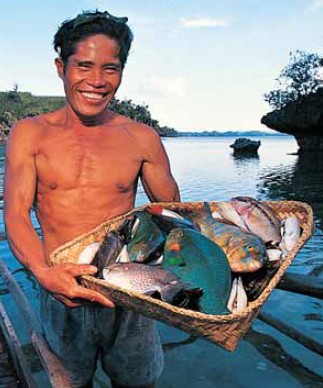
(156, 175)
(20, 172)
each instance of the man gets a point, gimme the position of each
(80, 165)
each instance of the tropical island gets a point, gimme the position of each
(298, 102)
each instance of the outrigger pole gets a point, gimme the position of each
(55, 371)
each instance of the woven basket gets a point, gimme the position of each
(225, 330)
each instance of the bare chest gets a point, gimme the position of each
(87, 161)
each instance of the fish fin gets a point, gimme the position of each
(242, 299)
(233, 295)
(123, 256)
(157, 261)
(158, 210)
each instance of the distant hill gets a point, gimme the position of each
(228, 133)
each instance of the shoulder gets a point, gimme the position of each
(24, 134)
(143, 133)
(32, 127)
(24, 127)
(139, 132)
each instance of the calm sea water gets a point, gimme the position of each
(205, 169)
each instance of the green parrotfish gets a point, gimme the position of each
(200, 263)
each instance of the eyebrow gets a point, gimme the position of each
(90, 63)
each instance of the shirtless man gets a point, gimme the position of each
(80, 165)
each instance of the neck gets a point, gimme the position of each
(73, 118)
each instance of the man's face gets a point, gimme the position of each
(92, 75)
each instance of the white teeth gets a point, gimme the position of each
(93, 96)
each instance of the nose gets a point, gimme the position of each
(97, 78)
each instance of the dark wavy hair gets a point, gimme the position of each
(89, 23)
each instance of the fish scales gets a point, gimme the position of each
(144, 279)
(246, 251)
(259, 218)
(200, 263)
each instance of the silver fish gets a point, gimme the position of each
(226, 211)
(238, 299)
(88, 253)
(258, 218)
(291, 231)
(145, 279)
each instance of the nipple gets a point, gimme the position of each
(53, 186)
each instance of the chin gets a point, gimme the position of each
(90, 114)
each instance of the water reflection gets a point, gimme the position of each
(303, 182)
(274, 352)
(245, 158)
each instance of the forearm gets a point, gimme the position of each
(24, 242)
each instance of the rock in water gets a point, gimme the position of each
(245, 146)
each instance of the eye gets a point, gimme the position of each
(84, 66)
(112, 68)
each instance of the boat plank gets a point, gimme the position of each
(8, 376)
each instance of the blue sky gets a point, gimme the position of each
(199, 65)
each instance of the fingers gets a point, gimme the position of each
(94, 296)
(81, 269)
(68, 302)
(83, 295)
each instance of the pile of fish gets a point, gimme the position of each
(213, 262)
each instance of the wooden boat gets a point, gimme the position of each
(55, 372)
(224, 330)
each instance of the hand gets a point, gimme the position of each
(60, 281)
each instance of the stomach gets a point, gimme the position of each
(63, 217)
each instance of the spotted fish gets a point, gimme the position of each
(246, 252)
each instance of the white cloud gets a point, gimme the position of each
(316, 5)
(204, 22)
(167, 86)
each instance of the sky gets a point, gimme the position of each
(199, 65)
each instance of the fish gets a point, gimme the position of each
(88, 253)
(291, 231)
(227, 212)
(246, 252)
(258, 219)
(275, 257)
(201, 264)
(167, 219)
(147, 240)
(144, 279)
(109, 251)
(238, 299)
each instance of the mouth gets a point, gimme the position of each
(94, 96)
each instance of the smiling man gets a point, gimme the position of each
(80, 166)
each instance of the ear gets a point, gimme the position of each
(60, 67)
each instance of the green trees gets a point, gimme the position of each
(134, 111)
(301, 76)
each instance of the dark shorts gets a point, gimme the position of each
(127, 344)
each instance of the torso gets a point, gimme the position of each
(85, 175)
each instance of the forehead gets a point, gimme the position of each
(97, 45)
